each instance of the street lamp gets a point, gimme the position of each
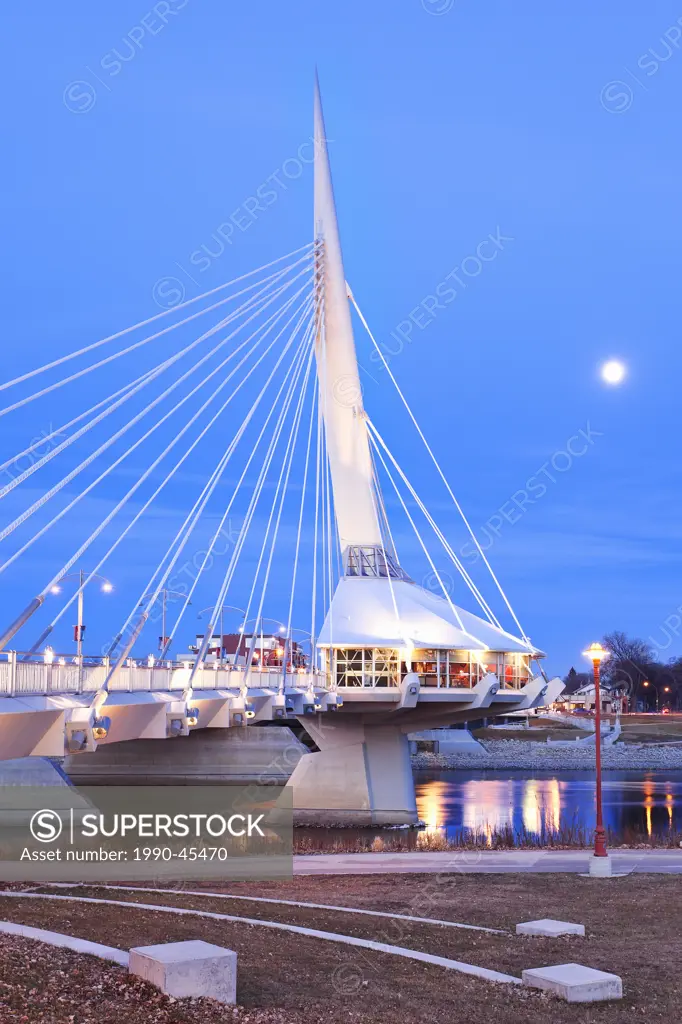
(647, 684)
(164, 594)
(223, 607)
(106, 587)
(263, 618)
(600, 863)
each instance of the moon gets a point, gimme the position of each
(613, 372)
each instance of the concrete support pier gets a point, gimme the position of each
(361, 775)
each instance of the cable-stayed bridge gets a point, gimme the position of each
(265, 377)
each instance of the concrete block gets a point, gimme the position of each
(550, 928)
(188, 969)
(601, 867)
(575, 983)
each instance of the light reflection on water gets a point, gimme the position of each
(457, 802)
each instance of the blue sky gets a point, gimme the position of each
(554, 130)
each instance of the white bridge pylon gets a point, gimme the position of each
(337, 368)
(253, 388)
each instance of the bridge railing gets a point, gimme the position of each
(29, 674)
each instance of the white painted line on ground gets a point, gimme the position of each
(287, 903)
(65, 941)
(348, 940)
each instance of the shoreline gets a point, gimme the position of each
(520, 755)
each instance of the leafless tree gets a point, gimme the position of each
(630, 665)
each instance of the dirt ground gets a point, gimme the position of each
(632, 930)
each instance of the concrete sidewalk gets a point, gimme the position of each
(486, 862)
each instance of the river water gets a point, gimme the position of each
(460, 802)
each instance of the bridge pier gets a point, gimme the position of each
(361, 774)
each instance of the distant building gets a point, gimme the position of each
(613, 701)
(267, 649)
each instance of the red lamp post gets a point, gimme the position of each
(596, 653)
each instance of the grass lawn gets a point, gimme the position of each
(651, 728)
(539, 733)
(635, 729)
(632, 930)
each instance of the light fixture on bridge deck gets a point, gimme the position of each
(101, 727)
(76, 741)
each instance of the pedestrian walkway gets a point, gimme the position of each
(486, 862)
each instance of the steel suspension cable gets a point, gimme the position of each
(227, 579)
(278, 501)
(146, 379)
(37, 601)
(331, 535)
(176, 466)
(313, 619)
(139, 344)
(382, 516)
(255, 447)
(313, 409)
(149, 320)
(46, 438)
(174, 549)
(440, 472)
(267, 462)
(377, 502)
(201, 653)
(107, 444)
(455, 560)
(435, 571)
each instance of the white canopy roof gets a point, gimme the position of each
(363, 614)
